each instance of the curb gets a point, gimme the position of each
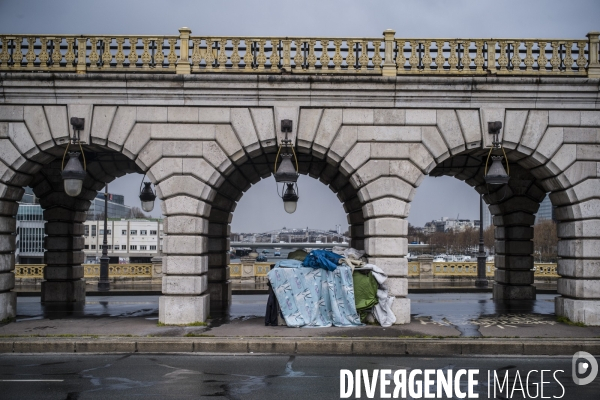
(306, 346)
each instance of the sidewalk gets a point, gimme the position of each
(442, 323)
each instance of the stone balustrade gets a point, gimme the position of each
(387, 55)
(36, 271)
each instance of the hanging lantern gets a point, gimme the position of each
(287, 173)
(496, 175)
(290, 198)
(73, 175)
(147, 197)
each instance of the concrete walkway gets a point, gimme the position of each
(451, 320)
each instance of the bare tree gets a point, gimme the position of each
(136, 212)
(545, 241)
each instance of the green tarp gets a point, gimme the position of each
(365, 292)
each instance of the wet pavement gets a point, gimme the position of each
(437, 315)
(293, 377)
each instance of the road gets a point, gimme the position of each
(262, 377)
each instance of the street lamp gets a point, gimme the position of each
(103, 282)
(147, 196)
(74, 174)
(495, 176)
(287, 174)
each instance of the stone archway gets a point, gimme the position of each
(203, 158)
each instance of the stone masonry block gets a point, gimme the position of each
(7, 243)
(397, 286)
(579, 310)
(7, 262)
(579, 268)
(241, 122)
(307, 128)
(122, 125)
(185, 205)
(421, 117)
(330, 123)
(184, 284)
(8, 305)
(564, 118)
(386, 246)
(369, 172)
(387, 187)
(579, 288)
(343, 142)
(183, 131)
(386, 227)
(389, 116)
(389, 133)
(151, 114)
(449, 127)
(579, 248)
(393, 266)
(357, 116)
(401, 309)
(185, 265)
(356, 157)
(7, 281)
(185, 185)
(179, 224)
(386, 207)
(174, 245)
(182, 114)
(214, 115)
(173, 310)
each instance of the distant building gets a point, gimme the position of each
(30, 224)
(137, 240)
(546, 210)
(116, 207)
(446, 224)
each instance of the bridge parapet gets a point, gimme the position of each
(387, 55)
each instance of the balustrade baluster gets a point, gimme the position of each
(81, 55)
(56, 53)
(311, 59)
(17, 54)
(274, 58)
(30, 55)
(287, 55)
(555, 60)
(248, 57)
(439, 57)
(542, 60)
(337, 57)
(516, 58)
(235, 55)
(94, 57)
(209, 55)
(299, 56)
(120, 56)
(529, 60)
(172, 57)
(43, 56)
(196, 54)
(427, 60)
(453, 59)
(466, 57)
(377, 60)
(133, 56)
(351, 57)
(581, 60)
(503, 59)
(261, 58)
(479, 60)
(413, 60)
(363, 60)
(568, 61)
(222, 59)
(324, 59)
(4, 55)
(106, 54)
(159, 57)
(400, 59)
(146, 57)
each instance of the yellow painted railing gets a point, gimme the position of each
(260, 269)
(386, 55)
(36, 271)
(460, 269)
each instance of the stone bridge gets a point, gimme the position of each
(371, 118)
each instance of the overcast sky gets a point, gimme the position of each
(260, 209)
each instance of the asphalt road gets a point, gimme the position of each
(75, 376)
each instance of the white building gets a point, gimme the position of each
(137, 240)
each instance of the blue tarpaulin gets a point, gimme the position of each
(315, 297)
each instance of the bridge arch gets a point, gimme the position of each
(203, 158)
